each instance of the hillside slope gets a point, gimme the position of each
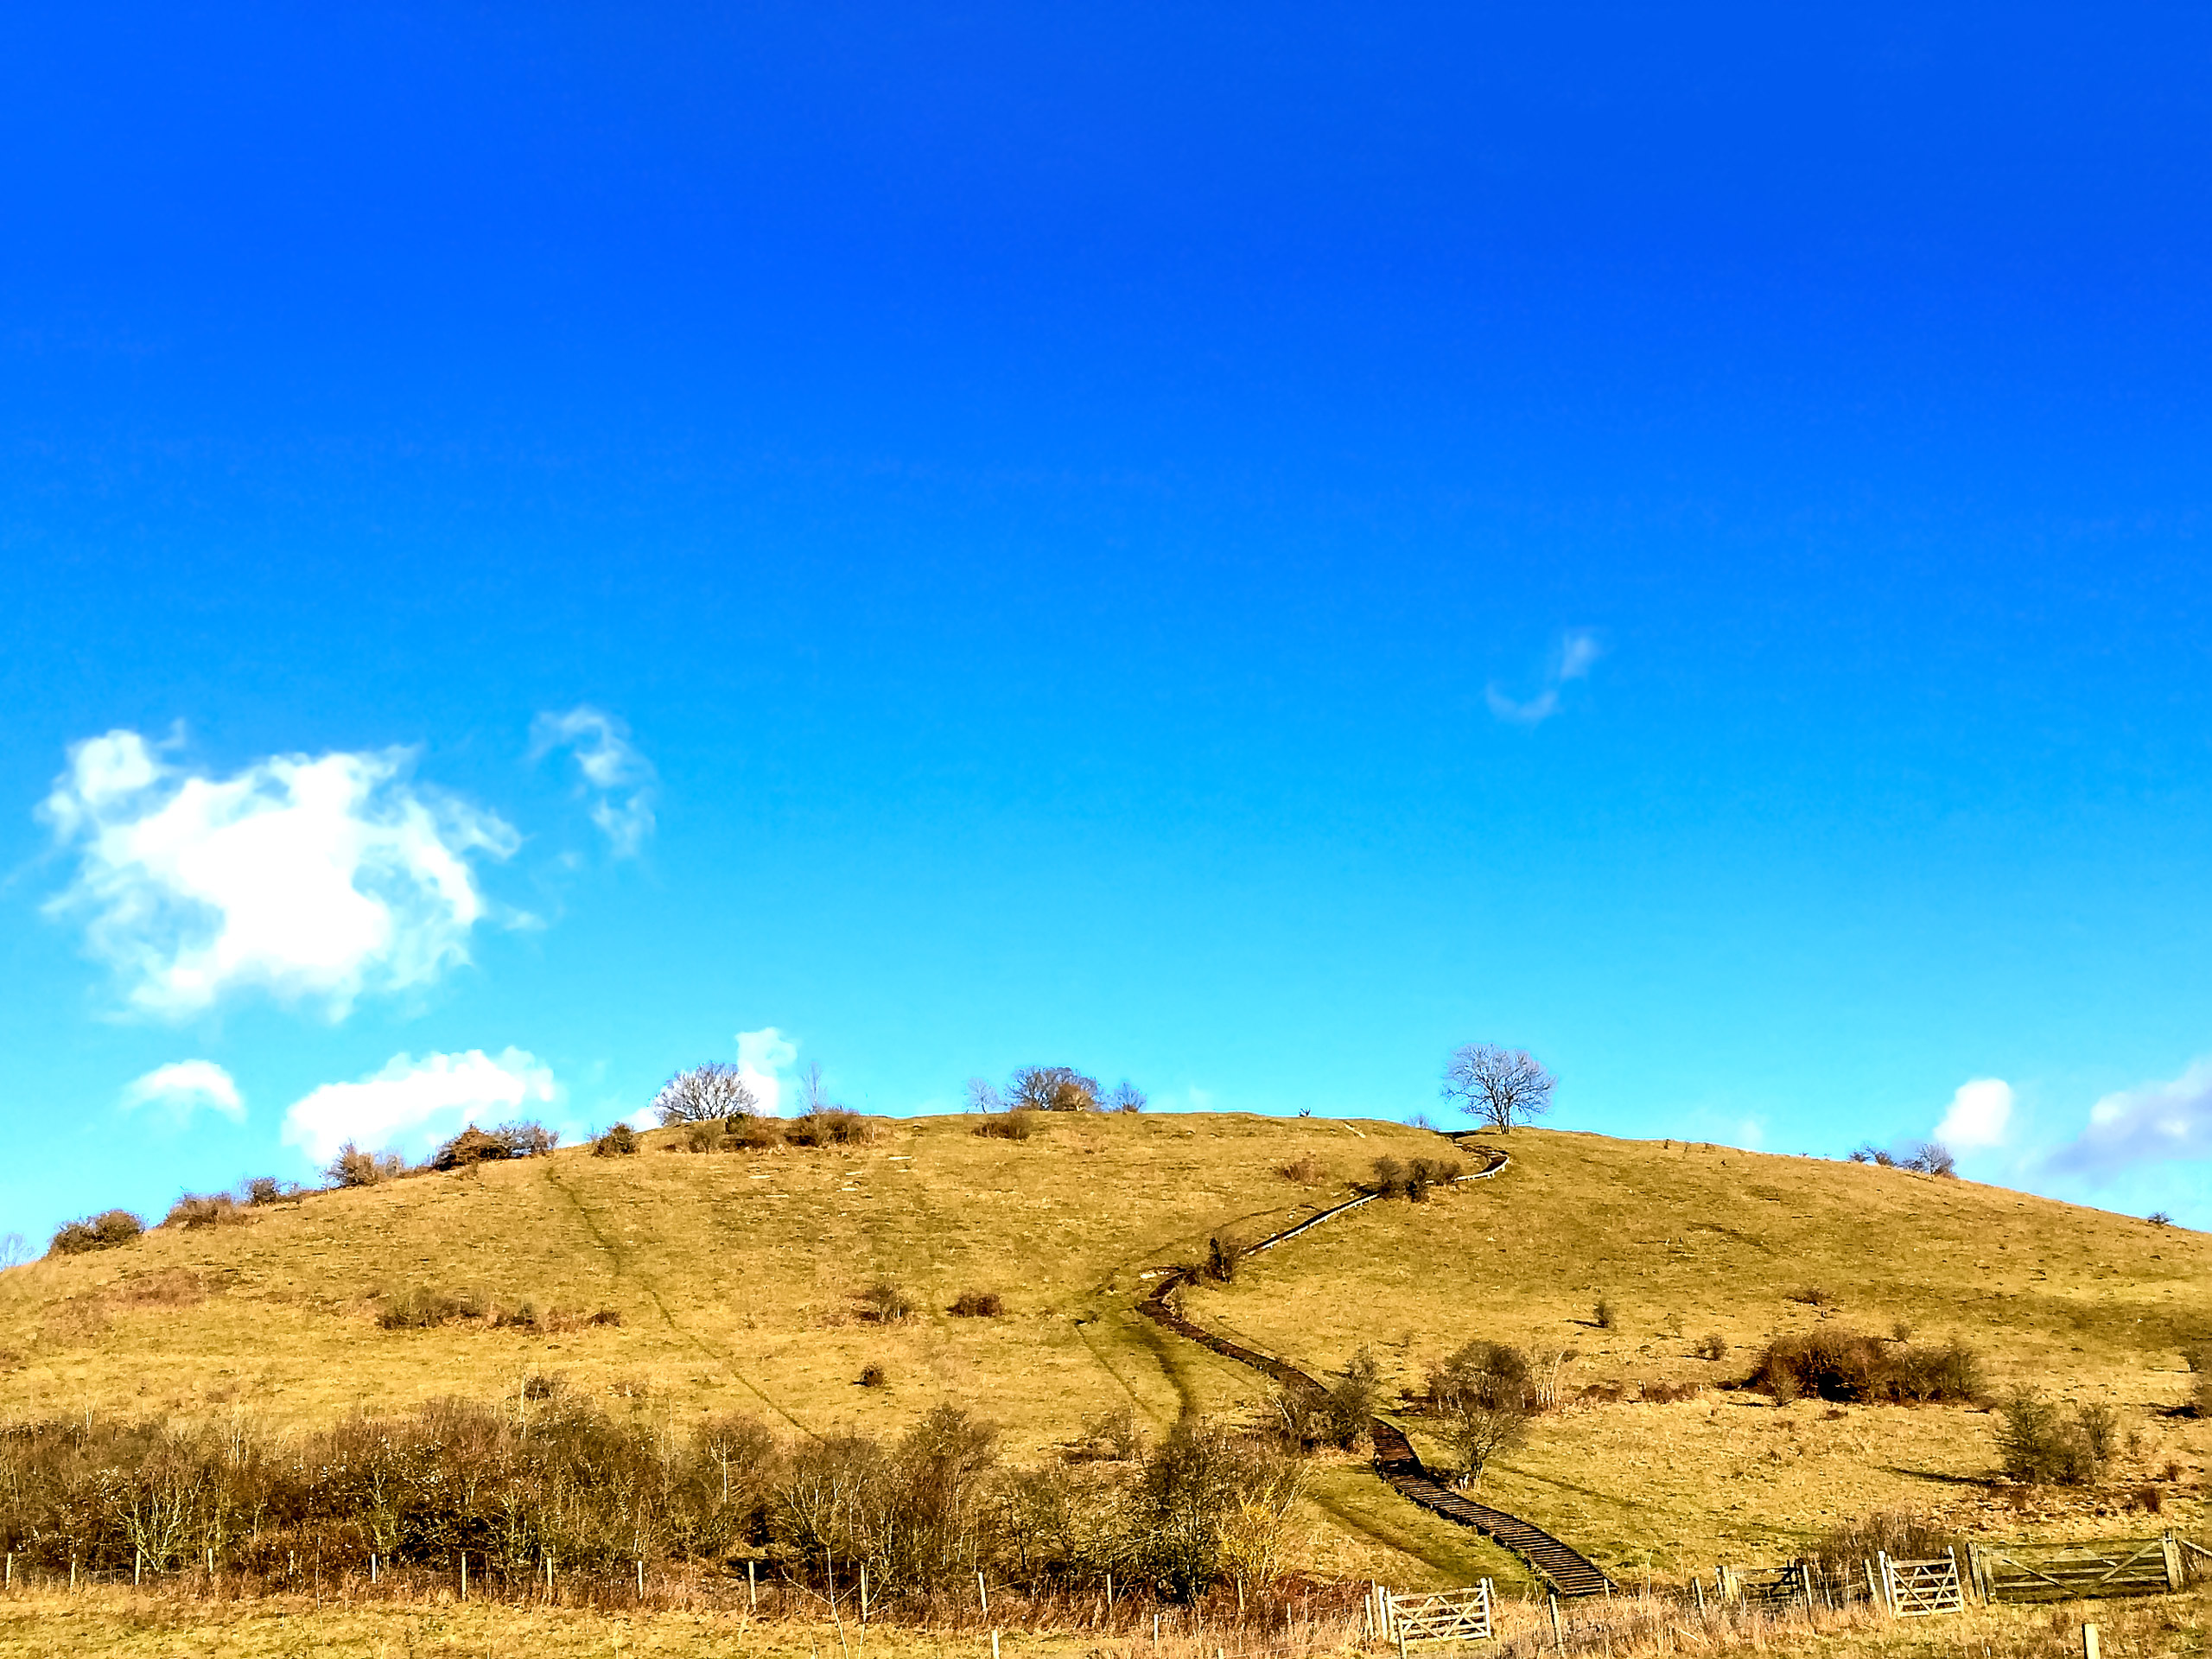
(737, 1278)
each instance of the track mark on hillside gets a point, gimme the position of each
(1566, 1568)
(622, 1270)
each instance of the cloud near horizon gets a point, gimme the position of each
(608, 765)
(414, 1105)
(2153, 1122)
(184, 1087)
(1979, 1114)
(1577, 653)
(314, 880)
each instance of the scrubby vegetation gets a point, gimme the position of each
(620, 1141)
(977, 1305)
(422, 1308)
(1839, 1365)
(1413, 1178)
(550, 1476)
(353, 1167)
(1017, 1125)
(1927, 1157)
(2039, 1441)
(101, 1232)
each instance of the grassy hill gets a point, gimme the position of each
(738, 1279)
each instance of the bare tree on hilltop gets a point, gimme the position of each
(704, 1093)
(1499, 1086)
(1053, 1088)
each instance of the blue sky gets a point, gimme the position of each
(1236, 551)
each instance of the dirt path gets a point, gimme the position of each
(1564, 1568)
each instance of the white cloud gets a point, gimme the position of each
(2153, 1122)
(319, 879)
(608, 765)
(760, 1055)
(184, 1087)
(1980, 1112)
(1577, 653)
(411, 1105)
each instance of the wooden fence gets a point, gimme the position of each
(1917, 1589)
(2118, 1567)
(1765, 1586)
(1447, 1616)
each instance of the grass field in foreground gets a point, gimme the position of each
(133, 1626)
(736, 1276)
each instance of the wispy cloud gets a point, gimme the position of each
(2151, 1123)
(609, 767)
(1577, 654)
(314, 880)
(412, 1105)
(1979, 1114)
(183, 1087)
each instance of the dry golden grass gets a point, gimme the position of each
(738, 1278)
(1686, 1240)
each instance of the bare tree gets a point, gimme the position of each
(1498, 1085)
(1125, 1097)
(1477, 1430)
(704, 1093)
(813, 1093)
(1053, 1088)
(983, 1098)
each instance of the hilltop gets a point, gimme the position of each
(738, 1280)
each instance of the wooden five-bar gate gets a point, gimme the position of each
(1447, 1616)
(1916, 1589)
(2116, 1567)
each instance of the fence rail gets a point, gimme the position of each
(1765, 1586)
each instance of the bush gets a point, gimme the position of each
(419, 1309)
(1017, 1125)
(1814, 1296)
(1712, 1345)
(705, 1135)
(1932, 1158)
(873, 1376)
(757, 1134)
(1223, 1256)
(353, 1167)
(1125, 1097)
(208, 1209)
(884, 1303)
(835, 1125)
(1479, 1372)
(1113, 1434)
(1304, 1170)
(1389, 1178)
(978, 1305)
(1845, 1551)
(620, 1141)
(1840, 1364)
(1602, 1315)
(266, 1189)
(606, 1316)
(1425, 1172)
(2038, 1443)
(101, 1232)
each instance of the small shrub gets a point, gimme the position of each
(873, 1376)
(1900, 1330)
(1224, 1257)
(1113, 1434)
(2159, 1218)
(606, 1316)
(1814, 1296)
(1389, 1178)
(1872, 1154)
(266, 1189)
(1425, 1173)
(704, 1135)
(1602, 1314)
(1712, 1345)
(353, 1167)
(1844, 1552)
(419, 1309)
(620, 1141)
(1347, 1410)
(1304, 1170)
(2038, 1444)
(757, 1134)
(1016, 1125)
(1669, 1393)
(884, 1303)
(540, 1385)
(204, 1209)
(837, 1125)
(1672, 1324)
(2149, 1497)
(1839, 1365)
(978, 1305)
(1486, 1373)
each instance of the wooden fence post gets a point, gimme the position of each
(2173, 1562)
(2089, 1641)
(752, 1588)
(983, 1594)
(1559, 1630)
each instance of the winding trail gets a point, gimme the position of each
(1564, 1568)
